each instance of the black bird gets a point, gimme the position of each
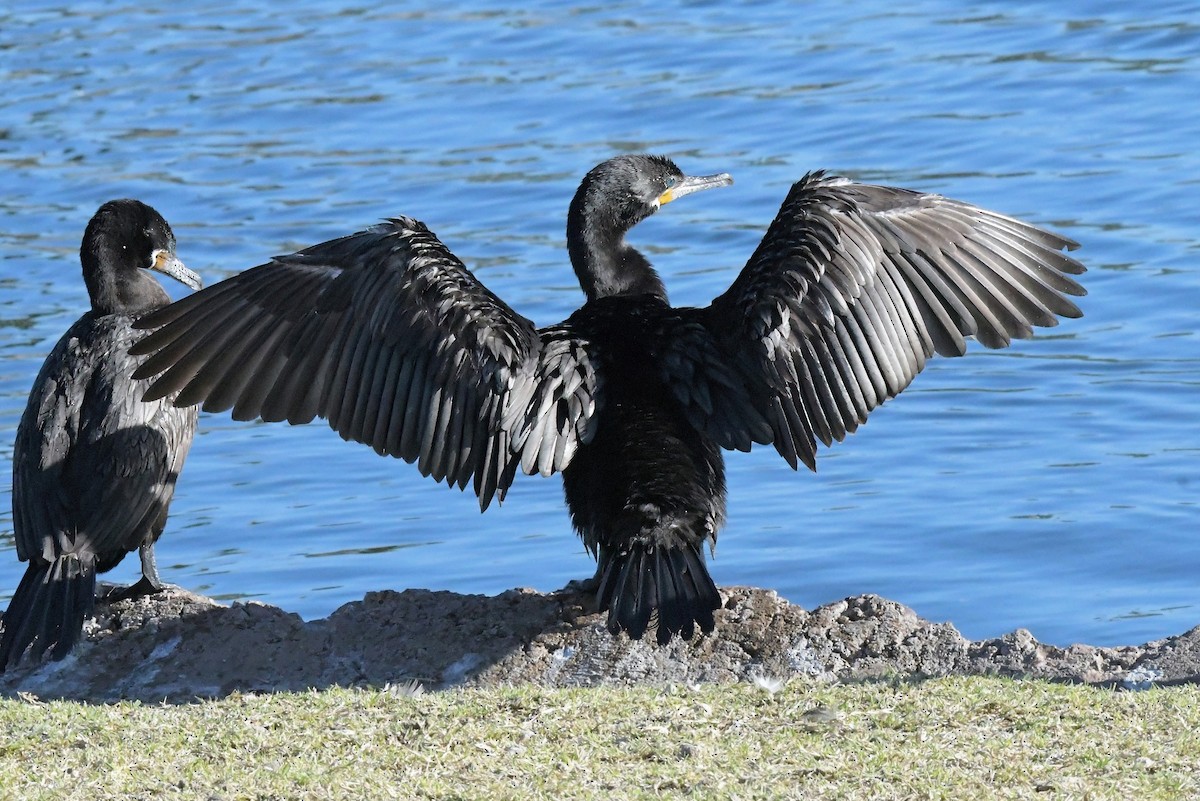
(94, 469)
(386, 335)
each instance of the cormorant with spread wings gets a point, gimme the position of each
(387, 336)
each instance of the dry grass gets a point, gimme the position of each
(944, 739)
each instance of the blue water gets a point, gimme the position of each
(1052, 486)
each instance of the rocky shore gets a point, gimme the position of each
(177, 646)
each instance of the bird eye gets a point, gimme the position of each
(670, 181)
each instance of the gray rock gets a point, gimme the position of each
(177, 646)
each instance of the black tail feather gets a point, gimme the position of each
(671, 584)
(627, 606)
(48, 609)
(673, 615)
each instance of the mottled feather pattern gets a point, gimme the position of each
(94, 470)
(90, 412)
(553, 414)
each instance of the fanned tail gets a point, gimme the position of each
(48, 609)
(670, 583)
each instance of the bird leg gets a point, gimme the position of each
(585, 585)
(148, 584)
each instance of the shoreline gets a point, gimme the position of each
(178, 646)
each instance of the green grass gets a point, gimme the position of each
(943, 739)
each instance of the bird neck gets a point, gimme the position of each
(606, 265)
(130, 291)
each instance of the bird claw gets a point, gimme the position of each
(142, 587)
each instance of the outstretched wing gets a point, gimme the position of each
(387, 336)
(851, 290)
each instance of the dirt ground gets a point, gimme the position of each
(177, 646)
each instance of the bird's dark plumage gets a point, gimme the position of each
(94, 468)
(387, 335)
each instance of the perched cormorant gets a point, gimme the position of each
(386, 335)
(94, 469)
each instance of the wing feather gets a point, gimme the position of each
(387, 336)
(851, 290)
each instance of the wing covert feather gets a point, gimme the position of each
(851, 290)
(387, 336)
